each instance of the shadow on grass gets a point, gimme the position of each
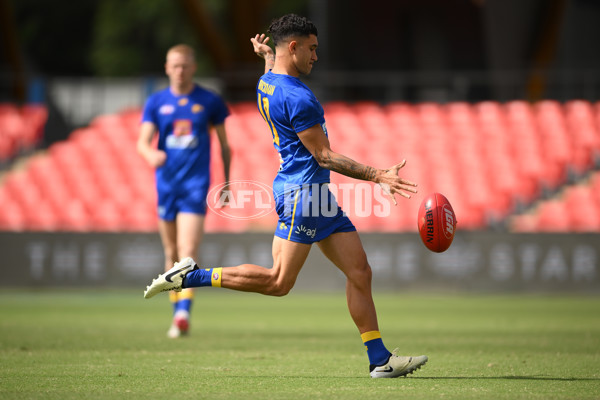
(466, 378)
(510, 377)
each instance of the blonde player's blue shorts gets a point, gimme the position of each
(309, 214)
(192, 201)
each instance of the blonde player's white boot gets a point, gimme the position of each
(172, 279)
(173, 332)
(398, 366)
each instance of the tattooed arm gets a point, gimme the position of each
(315, 140)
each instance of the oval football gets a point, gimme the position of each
(436, 222)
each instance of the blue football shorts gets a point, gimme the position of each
(309, 214)
(170, 203)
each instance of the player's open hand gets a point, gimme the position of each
(392, 184)
(261, 48)
(156, 158)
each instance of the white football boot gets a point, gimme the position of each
(397, 366)
(172, 279)
(173, 332)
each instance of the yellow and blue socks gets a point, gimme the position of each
(203, 277)
(378, 354)
(182, 301)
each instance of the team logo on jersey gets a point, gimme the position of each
(183, 101)
(182, 137)
(196, 108)
(166, 109)
(182, 127)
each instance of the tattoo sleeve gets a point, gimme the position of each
(346, 166)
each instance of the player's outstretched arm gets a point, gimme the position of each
(315, 140)
(263, 50)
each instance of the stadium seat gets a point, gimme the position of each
(583, 212)
(140, 219)
(22, 190)
(107, 216)
(594, 183)
(8, 147)
(21, 128)
(74, 216)
(35, 117)
(525, 223)
(12, 127)
(553, 217)
(12, 217)
(43, 217)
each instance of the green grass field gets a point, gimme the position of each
(112, 344)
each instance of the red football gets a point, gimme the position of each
(436, 222)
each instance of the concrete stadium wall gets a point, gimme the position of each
(477, 261)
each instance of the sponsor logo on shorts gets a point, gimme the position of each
(301, 229)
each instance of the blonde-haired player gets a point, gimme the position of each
(183, 115)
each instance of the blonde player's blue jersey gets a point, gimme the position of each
(183, 134)
(183, 124)
(290, 107)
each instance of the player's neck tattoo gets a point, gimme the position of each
(269, 62)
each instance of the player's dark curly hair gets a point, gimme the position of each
(291, 25)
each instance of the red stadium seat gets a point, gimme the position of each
(140, 218)
(553, 217)
(585, 219)
(525, 223)
(107, 216)
(74, 216)
(35, 117)
(44, 217)
(595, 188)
(583, 211)
(21, 128)
(12, 217)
